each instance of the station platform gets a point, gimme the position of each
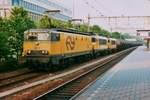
(127, 80)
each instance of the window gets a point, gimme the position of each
(14, 2)
(33, 36)
(81, 38)
(27, 5)
(102, 41)
(43, 36)
(55, 36)
(23, 3)
(93, 39)
(76, 37)
(113, 42)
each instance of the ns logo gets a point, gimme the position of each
(70, 43)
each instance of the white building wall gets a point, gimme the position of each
(5, 6)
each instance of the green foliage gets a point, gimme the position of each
(45, 22)
(19, 22)
(4, 47)
(11, 34)
(48, 22)
(59, 24)
(126, 35)
(105, 33)
(82, 27)
(4, 35)
(116, 35)
(96, 29)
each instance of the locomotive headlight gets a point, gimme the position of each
(28, 52)
(43, 52)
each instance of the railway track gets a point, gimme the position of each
(11, 81)
(7, 75)
(42, 86)
(14, 77)
(74, 86)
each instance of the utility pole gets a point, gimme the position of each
(88, 22)
(109, 23)
(73, 9)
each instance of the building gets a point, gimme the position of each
(36, 8)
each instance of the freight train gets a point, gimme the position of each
(46, 49)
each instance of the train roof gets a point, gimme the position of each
(113, 39)
(71, 30)
(37, 30)
(100, 37)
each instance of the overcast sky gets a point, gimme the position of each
(108, 8)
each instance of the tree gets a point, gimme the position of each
(96, 29)
(5, 33)
(45, 22)
(104, 33)
(48, 22)
(4, 47)
(69, 24)
(19, 22)
(126, 36)
(116, 35)
(81, 27)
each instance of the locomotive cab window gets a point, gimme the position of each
(35, 36)
(55, 36)
(93, 39)
(32, 37)
(102, 41)
(113, 42)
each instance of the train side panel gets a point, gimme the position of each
(112, 43)
(75, 44)
(70, 45)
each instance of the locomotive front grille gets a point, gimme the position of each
(33, 52)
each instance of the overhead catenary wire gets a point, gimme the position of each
(93, 7)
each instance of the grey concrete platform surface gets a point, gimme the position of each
(127, 80)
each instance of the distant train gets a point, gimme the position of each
(46, 48)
